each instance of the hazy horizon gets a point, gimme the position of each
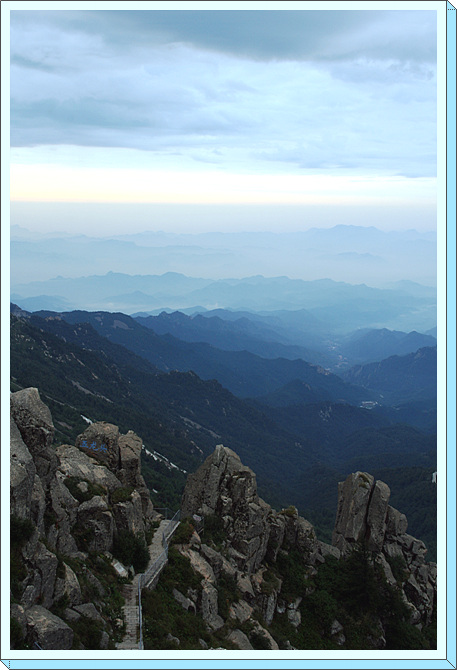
(295, 118)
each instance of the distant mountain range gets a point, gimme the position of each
(343, 253)
(326, 307)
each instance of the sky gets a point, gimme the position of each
(309, 112)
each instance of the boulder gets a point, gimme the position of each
(46, 563)
(68, 585)
(186, 603)
(90, 611)
(47, 629)
(209, 608)
(130, 455)
(101, 441)
(81, 464)
(239, 639)
(129, 515)
(241, 611)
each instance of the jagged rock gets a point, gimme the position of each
(275, 541)
(396, 522)
(130, 455)
(18, 612)
(244, 584)
(293, 613)
(46, 563)
(129, 515)
(95, 517)
(71, 615)
(22, 474)
(38, 505)
(200, 565)
(376, 516)
(101, 441)
(172, 638)
(50, 631)
(351, 516)
(328, 550)
(262, 632)
(213, 557)
(34, 422)
(82, 465)
(223, 486)
(209, 607)
(90, 611)
(365, 516)
(104, 640)
(186, 603)
(241, 611)
(68, 586)
(336, 631)
(95, 583)
(239, 639)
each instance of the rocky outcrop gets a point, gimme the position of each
(225, 488)
(73, 499)
(223, 491)
(365, 516)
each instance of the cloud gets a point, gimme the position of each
(305, 90)
(259, 34)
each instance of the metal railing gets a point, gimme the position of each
(154, 570)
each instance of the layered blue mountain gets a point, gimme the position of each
(331, 308)
(243, 373)
(399, 379)
(84, 374)
(242, 334)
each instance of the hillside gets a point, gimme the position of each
(83, 527)
(182, 417)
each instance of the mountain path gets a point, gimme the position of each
(130, 593)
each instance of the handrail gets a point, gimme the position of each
(146, 577)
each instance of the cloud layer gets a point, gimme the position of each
(345, 92)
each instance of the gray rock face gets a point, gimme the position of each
(239, 639)
(22, 475)
(129, 515)
(101, 441)
(48, 630)
(68, 586)
(130, 454)
(364, 515)
(40, 473)
(95, 516)
(354, 495)
(90, 611)
(34, 421)
(209, 607)
(81, 464)
(223, 486)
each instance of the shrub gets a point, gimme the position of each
(81, 496)
(213, 531)
(16, 637)
(131, 549)
(122, 494)
(183, 533)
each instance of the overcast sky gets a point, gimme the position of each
(194, 107)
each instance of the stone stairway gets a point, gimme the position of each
(130, 593)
